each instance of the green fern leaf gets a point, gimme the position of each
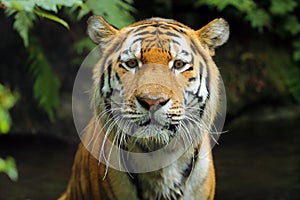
(51, 17)
(46, 84)
(115, 11)
(23, 23)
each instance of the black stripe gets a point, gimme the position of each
(142, 33)
(173, 194)
(208, 80)
(117, 77)
(136, 40)
(172, 34)
(140, 28)
(107, 105)
(192, 79)
(157, 32)
(155, 25)
(108, 80)
(134, 179)
(201, 110)
(174, 41)
(187, 172)
(121, 66)
(177, 29)
(102, 77)
(191, 68)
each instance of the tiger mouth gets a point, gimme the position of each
(151, 138)
(150, 123)
(165, 123)
(151, 135)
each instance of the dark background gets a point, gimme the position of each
(257, 156)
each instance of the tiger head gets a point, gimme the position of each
(156, 79)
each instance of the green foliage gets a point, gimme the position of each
(8, 166)
(281, 18)
(26, 12)
(278, 64)
(292, 25)
(279, 7)
(7, 101)
(257, 16)
(46, 84)
(51, 17)
(115, 11)
(23, 23)
(296, 54)
(243, 5)
(26, 15)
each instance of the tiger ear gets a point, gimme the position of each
(214, 34)
(99, 29)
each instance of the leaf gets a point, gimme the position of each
(259, 18)
(84, 10)
(23, 23)
(242, 5)
(279, 7)
(115, 11)
(51, 17)
(296, 53)
(292, 25)
(8, 166)
(5, 120)
(7, 100)
(54, 4)
(46, 84)
(27, 5)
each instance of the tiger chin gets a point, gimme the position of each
(155, 93)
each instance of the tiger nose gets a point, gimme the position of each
(152, 104)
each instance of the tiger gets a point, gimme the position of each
(155, 89)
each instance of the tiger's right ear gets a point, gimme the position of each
(214, 34)
(99, 29)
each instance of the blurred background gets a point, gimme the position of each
(43, 44)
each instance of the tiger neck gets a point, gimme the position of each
(169, 182)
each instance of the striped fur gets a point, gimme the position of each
(156, 80)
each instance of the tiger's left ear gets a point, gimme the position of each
(214, 34)
(99, 29)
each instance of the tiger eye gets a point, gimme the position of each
(178, 64)
(132, 63)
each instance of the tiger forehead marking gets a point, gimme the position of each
(161, 44)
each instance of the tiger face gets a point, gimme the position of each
(156, 80)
